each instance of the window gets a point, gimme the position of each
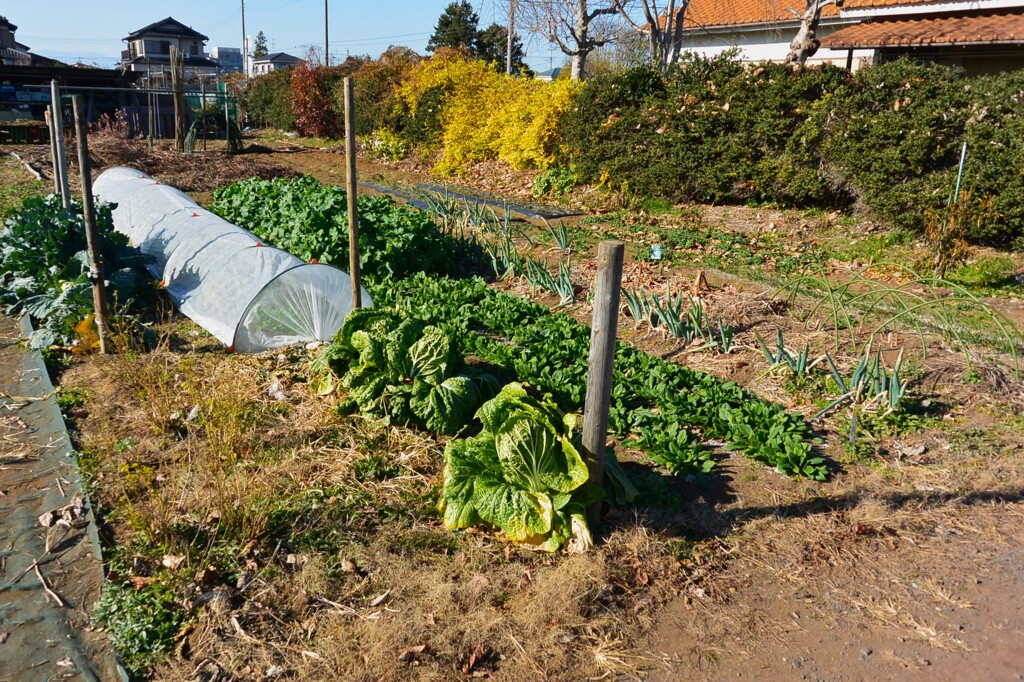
(193, 49)
(158, 47)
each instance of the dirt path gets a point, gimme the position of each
(39, 638)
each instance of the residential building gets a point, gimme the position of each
(149, 52)
(13, 53)
(273, 62)
(549, 75)
(228, 58)
(980, 35)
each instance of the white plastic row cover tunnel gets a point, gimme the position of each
(248, 295)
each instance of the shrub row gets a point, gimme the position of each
(887, 138)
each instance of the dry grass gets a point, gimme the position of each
(329, 524)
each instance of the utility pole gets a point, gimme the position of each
(511, 34)
(327, 46)
(245, 61)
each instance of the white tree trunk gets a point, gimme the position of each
(805, 43)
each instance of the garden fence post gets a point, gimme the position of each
(351, 189)
(53, 150)
(58, 128)
(602, 361)
(89, 214)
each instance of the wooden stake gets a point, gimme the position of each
(58, 127)
(99, 297)
(53, 150)
(351, 189)
(227, 122)
(178, 85)
(602, 362)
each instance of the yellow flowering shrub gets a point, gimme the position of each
(490, 115)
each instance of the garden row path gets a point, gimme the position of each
(50, 578)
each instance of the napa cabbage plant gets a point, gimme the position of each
(522, 474)
(407, 373)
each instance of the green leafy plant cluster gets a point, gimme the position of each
(550, 351)
(310, 220)
(143, 623)
(44, 266)
(407, 372)
(523, 474)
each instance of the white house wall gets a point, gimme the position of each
(770, 44)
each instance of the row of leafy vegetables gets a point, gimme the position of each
(44, 266)
(451, 355)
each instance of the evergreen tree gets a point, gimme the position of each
(259, 46)
(492, 47)
(456, 27)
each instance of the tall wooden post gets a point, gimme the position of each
(99, 296)
(602, 361)
(58, 128)
(351, 190)
(227, 122)
(202, 110)
(178, 86)
(53, 150)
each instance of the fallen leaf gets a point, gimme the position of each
(172, 561)
(380, 599)
(479, 653)
(139, 582)
(409, 655)
(479, 583)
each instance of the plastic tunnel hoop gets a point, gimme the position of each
(248, 295)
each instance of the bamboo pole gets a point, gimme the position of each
(53, 150)
(351, 190)
(602, 361)
(177, 84)
(58, 127)
(99, 296)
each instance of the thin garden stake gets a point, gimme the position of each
(351, 189)
(53, 150)
(602, 361)
(99, 296)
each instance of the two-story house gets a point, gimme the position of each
(14, 53)
(274, 62)
(149, 52)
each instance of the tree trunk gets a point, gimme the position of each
(806, 43)
(579, 59)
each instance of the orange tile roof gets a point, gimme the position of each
(1004, 26)
(708, 13)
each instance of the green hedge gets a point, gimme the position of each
(887, 138)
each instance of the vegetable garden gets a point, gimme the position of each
(408, 500)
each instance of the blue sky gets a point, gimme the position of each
(72, 30)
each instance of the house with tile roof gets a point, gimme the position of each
(274, 62)
(149, 52)
(980, 35)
